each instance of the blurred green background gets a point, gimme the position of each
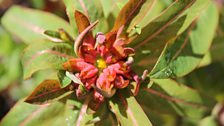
(12, 86)
(208, 79)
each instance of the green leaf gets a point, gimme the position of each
(6, 43)
(48, 90)
(45, 55)
(209, 121)
(156, 9)
(53, 36)
(157, 33)
(55, 114)
(143, 11)
(12, 68)
(109, 7)
(63, 79)
(29, 24)
(128, 111)
(194, 12)
(69, 111)
(187, 50)
(10, 65)
(177, 98)
(132, 13)
(91, 9)
(70, 10)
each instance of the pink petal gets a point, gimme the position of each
(90, 82)
(100, 38)
(120, 82)
(104, 83)
(109, 73)
(88, 71)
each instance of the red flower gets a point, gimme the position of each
(103, 64)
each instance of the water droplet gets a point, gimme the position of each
(168, 72)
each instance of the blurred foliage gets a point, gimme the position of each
(204, 86)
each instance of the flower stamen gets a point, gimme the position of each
(101, 64)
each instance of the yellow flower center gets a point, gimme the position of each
(101, 64)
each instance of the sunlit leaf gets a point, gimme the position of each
(81, 20)
(29, 24)
(187, 50)
(128, 111)
(109, 7)
(45, 55)
(209, 121)
(63, 79)
(157, 37)
(70, 10)
(157, 33)
(82, 23)
(90, 8)
(132, 13)
(56, 114)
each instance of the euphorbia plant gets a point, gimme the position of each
(103, 64)
(100, 75)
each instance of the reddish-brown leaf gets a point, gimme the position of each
(128, 12)
(46, 91)
(82, 21)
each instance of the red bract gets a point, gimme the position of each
(103, 64)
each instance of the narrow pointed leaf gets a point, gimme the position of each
(70, 10)
(129, 113)
(45, 55)
(53, 36)
(157, 33)
(110, 7)
(82, 23)
(29, 24)
(187, 50)
(91, 9)
(144, 10)
(156, 9)
(55, 114)
(177, 98)
(132, 11)
(81, 20)
(48, 90)
(157, 43)
(63, 79)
